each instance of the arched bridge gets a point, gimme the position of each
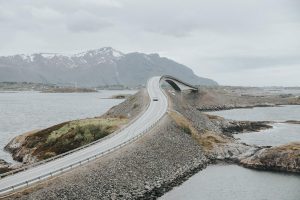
(177, 84)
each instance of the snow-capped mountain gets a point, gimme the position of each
(104, 66)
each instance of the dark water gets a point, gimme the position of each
(25, 111)
(232, 182)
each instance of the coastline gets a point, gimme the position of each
(155, 162)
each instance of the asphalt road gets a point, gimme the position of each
(154, 112)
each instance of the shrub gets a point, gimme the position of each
(187, 130)
(70, 135)
(88, 137)
(135, 105)
(49, 155)
(78, 137)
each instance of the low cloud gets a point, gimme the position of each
(210, 36)
(85, 22)
(241, 63)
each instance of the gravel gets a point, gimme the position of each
(150, 166)
(145, 169)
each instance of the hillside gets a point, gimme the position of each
(100, 67)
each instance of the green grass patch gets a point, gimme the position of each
(70, 135)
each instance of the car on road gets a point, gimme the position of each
(155, 99)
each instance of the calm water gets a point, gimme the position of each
(281, 133)
(25, 111)
(282, 113)
(231, 182)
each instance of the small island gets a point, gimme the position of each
(42, 87)
(68, 90)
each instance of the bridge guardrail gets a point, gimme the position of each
(86, 160)
(76, 164)
(74, 150)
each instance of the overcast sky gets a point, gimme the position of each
(235, 42)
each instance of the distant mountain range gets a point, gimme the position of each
(100, 67)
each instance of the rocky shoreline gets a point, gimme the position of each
(285, 158)
(30, 147)
(183, 143)
(231, 107)
(4, 166)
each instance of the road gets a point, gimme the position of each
(153, 114)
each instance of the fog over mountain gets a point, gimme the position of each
(104, 66)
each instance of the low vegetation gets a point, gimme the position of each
(183, 123)
(292, 122)
(121, 96)
(70, 135)
(68, 90)
(207, 139)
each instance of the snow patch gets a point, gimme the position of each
(117, 54)
(49, 55)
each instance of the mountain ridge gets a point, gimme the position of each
(98, 67)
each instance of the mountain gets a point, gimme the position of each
(100, 67)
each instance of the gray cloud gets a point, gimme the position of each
(214, 37)
(241, 63)
(83, 21)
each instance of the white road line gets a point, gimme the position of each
(155, 112)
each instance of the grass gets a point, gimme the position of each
(207, 139)
(292, 147)
(182, 122)
(70, 135)
(213, 117)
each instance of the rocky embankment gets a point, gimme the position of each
(282, 158)
(184, 142)
(4, 166)
(38, 145)
(145, 169)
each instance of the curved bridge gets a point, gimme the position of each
(156, 109)
(177, 84)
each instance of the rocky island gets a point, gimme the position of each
(282, 158)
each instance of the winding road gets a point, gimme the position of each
(146, 121)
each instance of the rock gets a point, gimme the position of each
(282, 158)
(235, 127)
(163, 158)
(18, 153)
(4, 166)
(147, 187)
(3, 162)
(292, 122)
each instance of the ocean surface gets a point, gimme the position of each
(21, 112)
(228, 182)
(281, 133)
(279, 114)
(232, 182)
